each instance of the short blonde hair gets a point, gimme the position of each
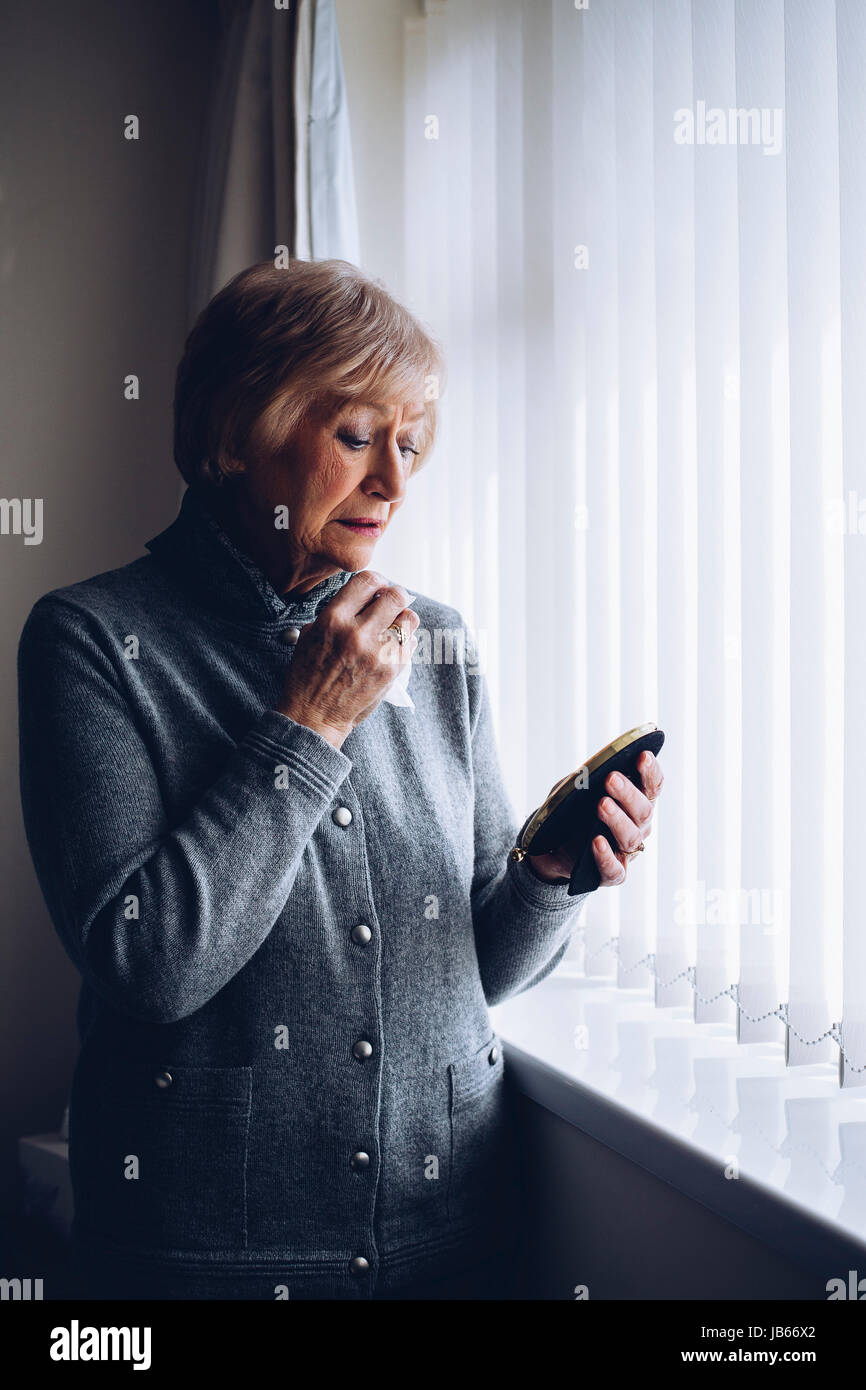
(275, 343)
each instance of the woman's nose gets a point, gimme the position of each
(387, 474)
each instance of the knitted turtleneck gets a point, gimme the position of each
(198, 547)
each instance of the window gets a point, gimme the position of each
(637, 228)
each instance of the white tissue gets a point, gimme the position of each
(397, 693)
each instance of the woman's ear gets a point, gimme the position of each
(224, 468)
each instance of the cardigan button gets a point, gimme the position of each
(359, 1161)
(342, 816)
(291, 635)
(362, 1050)
(163, 1080)
(359, 1265)
(361, 935)
(492, 1055)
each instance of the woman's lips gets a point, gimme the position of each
(363, 528)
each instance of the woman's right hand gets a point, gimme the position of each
(342, 666)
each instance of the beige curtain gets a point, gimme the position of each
(276, 165)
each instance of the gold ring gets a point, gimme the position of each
(630, 852)
(401, 636)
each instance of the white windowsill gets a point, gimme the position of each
(685, 1101)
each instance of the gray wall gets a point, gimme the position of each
(94, 250)
(598, 1220)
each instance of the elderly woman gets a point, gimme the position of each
(290, 899)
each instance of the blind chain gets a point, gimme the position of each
(732, 992)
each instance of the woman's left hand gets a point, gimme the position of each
(627, 810)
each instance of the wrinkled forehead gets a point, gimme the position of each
(406, 410)
(410, 411)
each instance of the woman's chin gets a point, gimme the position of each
(354, 553)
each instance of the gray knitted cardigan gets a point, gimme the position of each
(288, 1084)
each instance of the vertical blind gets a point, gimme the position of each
(638, 229)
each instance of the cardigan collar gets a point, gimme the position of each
(198, 550)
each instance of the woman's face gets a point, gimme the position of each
(341, 477)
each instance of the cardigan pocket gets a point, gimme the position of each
(481, 1136)
(416, 1145)
(161, 1164)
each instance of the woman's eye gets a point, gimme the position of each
(355, 441)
